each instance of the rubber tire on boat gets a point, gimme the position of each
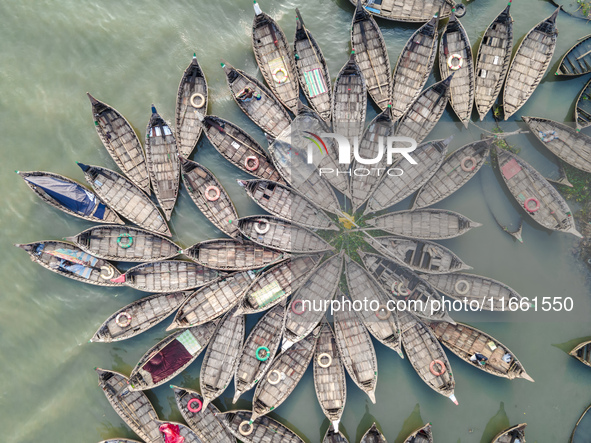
(129, 241)
(393, 287)
(191, 408)
(406, 292)
(466, 168)
(460, 10)
(463, 291)
(441, 364)
(262, 348)
(451, 65)
(255, 165)
(535, 208)
(321, 356)
(293, 307)
(110, 274)
(201, 97)
(121, 324)
(386, 313)
(274, 382)
(265, 223)
(277, 79)
(215, 196)
(249, 429)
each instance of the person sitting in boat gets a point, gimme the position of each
(479, 358)
(245, 95)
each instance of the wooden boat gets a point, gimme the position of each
(583, 107)
(492, 295)
(277, 283)
(391, 190)
(178, 430)
(356, 350)
(281, 234)
(274, 58)
(209, 196)
(204, 423)
(227, 254)
(581, 433)
(538, 198)
(163, 163)
(577, 60)
(363, 286)
(454, 51)
(566, 143)
(319, 288)
(418, 11)
(421, 435)
(70, 261)
(457, 169)
(429, 224)
(371, 55)
(285, 372)
(426, 355)
(404, 284)
(466, 342)
(492, 61)
(258, 351)
(121, 142)
(125, 198)
(421, 255)
(263, 108)
(529, 64)
(334, 437)
(212, 301)
(221, 357)
(138, 317)
(511, 435)
(262, 429)
(171, 356)
(349, 100)
(312, 69)
(373, 435)
(425, 111)
(167, 276)
(285, 202)
(582, 352)
(413, 67)
(69, 196)
(125, 243)
(133, 407)
(362, 186)
(329, 377)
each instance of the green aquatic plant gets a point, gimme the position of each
(581, 181)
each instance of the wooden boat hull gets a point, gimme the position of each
(421, 435)
(583, 107)
(417, 12)
(577, 60)
(508, 435)
(263, 428)
(582, 434)
(334, 437)
(373, 435)
(582, 352)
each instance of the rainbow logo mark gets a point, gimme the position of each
(313, 140)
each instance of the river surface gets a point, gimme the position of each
(132, 54)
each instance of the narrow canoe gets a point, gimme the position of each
(425, 111)
(491, 295)
(393, 189)
(511, 435)
(413, 67)
(277, 283)
(121, 142)
(212, 301)
(529, 65)
(171, 356)
(421, 255)
(185, 432)
(426, 355)
(457, 169)
(534, 194)
(133, 407)
(583, 107)
(125, 198)
(285, 372)
(209, 196)
(349, 100)
(312, 69)
(419, 11)
(492, 61)
(582, 352)
(371, 55)
(167, 276)
(307, 303)
(404, 284)
(285, 202)
(334, 437)
(258, 351)
(281, 234)
(428, 224)
(329, 376)
(70, 261)
(221, 357)
(125, 243)
(580, 434)
(233, 255)
(373, 435)
(356, 350)
(577, 60)
(163, 162)
(455, 50)
(262, 429)
(192, 97)
(466, 341)
(421, 435)
(69, 196)
(564, 142)
(204, 423)
(138, 317)
(257, 101)
(362, 286)
(274, 58)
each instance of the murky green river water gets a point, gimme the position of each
(132, 54)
